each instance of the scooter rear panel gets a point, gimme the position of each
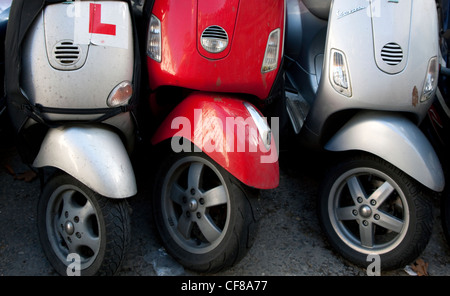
(362, 32)
(236, 69)
(76, 54)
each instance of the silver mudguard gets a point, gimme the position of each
(395, 139)
(94, 155)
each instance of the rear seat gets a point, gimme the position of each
(320, 8)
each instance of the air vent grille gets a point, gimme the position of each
(392, 54)
(66, 53)
(215, 32)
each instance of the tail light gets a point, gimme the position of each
(154, 39)
(339, 75)
(270, 61)
(431, 80)
(120, 95)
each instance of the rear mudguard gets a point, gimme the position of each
(93, 154)
(221, 126)
(395, 139)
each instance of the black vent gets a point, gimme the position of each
(66, 53)
(215, 32)
(392, 54)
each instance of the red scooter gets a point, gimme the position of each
(211, 66)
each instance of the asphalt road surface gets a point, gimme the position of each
(289, 241)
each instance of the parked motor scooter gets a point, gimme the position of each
(210, 66)
(360, 79)
(72, 69)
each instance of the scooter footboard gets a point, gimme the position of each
(395, 139)
(94, 155)
(228, 130)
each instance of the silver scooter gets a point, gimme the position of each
(360, 78)
(71, 105)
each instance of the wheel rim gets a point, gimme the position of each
(368, 211)
(195, 204)
(72, 225)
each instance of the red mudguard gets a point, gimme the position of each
(222, 127)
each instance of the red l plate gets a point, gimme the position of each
(95, 21)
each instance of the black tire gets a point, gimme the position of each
(396, 225)
(74, 219)
(202, 234)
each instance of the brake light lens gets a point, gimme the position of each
(339, 75)
(120, 95)
(431, 80)
(154, 39)
(270, 61)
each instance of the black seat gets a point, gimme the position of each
(320, 8)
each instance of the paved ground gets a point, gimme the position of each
(289, 241)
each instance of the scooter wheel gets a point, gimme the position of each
(203, 214)
(369, 207)
(81, 232)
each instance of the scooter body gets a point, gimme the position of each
(222, 136)
(51, 55)
(211, 65)
(393, 50)
(79, 121)
(192, 66)
(367, 73)
(188, 65)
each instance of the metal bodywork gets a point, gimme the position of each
(79, 150)
(376, 132)
(75, 89)
(217, 84)
(186, 64)
(361, 30)
(374, 84)
(88, 81)
(221, 126)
